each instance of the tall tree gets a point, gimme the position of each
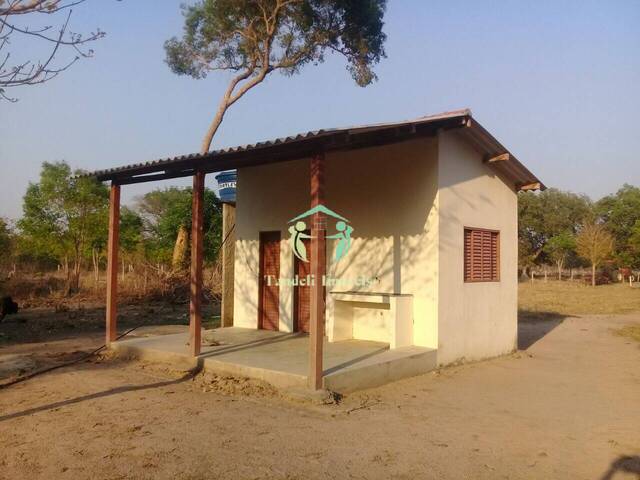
(253, 38)
(63, 215)
(6, 243)
(166, 212)
(5, 235)
(595, 245)
(559, 248)
(634, 241)
(621, 213)
(20, 22)
(131, 235)
(544, 215)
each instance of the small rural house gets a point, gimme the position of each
(403, 234)
(432, 259)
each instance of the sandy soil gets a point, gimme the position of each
(567, 407)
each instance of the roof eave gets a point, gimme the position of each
(305, 145)
(510, 166)
(290, 148)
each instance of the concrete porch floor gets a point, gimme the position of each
(281, 359)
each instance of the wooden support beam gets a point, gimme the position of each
(505, 157)
(197, 233)
(228, 258)
(112, 263)
(318, 270)
(529, 186)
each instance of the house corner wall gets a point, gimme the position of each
(475, 320)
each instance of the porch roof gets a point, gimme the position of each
(306, 144)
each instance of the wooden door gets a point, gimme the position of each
(302, 293)
(269, 292)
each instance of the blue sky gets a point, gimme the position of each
(558, 82)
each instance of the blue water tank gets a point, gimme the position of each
(227, 185)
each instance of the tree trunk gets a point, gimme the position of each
(73, 284)
(560, 264)
(593, 274)
(213, 127)
(96, 269)
(180, 249)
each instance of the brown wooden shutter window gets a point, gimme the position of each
(481, 255)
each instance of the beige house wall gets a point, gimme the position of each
(408, 204)
(475, 320)
(389, 194)
(267, 196)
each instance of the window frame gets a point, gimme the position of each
(496, 279)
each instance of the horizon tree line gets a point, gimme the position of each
(64, 226)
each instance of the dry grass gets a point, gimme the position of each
(574, 298)
(48, 289)
(630, 331)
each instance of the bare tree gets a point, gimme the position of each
(594, 244)
(14, 14)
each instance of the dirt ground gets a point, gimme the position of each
(566, 407)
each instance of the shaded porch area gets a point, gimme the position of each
(281, 359)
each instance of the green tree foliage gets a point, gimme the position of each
(7, 244)
(252, 38)
(560, 248)
(634, 241)
(63, 217)
(165, 211)
(544, 215)
(5, 237)
(621, 213)
(132, 241)
(231, 35)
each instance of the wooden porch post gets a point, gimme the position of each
(318, 268)
(112, 263)
(228, 257)
(195, 315)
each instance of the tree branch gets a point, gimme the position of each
(20, 7)
(28, 72)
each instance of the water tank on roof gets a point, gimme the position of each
(227, 185)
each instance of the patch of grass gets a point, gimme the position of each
(630, 331)
(575, 298)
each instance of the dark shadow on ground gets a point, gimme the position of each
(355, 360)
(625, 464)
(251, 344)
(106, 393)
(532, 326)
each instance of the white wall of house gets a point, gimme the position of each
(388, 193)
(408, 204)
(475, 320)
(267, 197)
